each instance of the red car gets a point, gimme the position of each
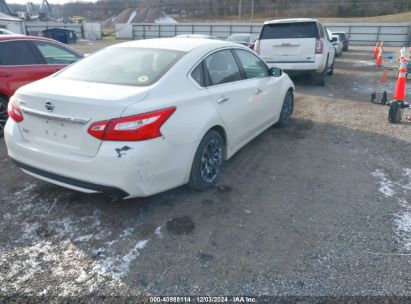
(24, 59)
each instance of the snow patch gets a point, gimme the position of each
(363, 63)
(118, 267)
(132, 16)
(127, 232)
(67, 266)
(386, 185)
(158, 232)
(55, 260)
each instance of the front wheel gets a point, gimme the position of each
(286, 110)
(3, 115)
(208, 162)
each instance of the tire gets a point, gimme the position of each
(395, 112)
(331, 71)
(208, 162)
(319, 78)
(286, 110)
(3, 115)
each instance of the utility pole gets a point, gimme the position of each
(278, 5)
(252, 9)
(240, 7)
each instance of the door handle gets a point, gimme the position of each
(258, 91)
(223, 99)
(5, 75)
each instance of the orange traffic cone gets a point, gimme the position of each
(378, 62)
(384, 76)
(376, 50)
(399, 92)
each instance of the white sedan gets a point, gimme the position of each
(142, 117)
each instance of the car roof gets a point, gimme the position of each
(200, 36)
(176, 44)
(240, 34)
(292, 20)
(23, 37)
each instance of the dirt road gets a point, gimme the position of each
(322, 207)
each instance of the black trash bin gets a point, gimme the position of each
(62, 35)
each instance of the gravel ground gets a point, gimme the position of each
(320, 208)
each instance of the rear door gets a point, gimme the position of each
(232, 96)
(19, 65)
(288, 42)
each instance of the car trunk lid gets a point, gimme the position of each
(58, 112)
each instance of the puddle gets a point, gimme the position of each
(180, 225)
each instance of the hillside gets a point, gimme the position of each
(403, 17)
(230, 10)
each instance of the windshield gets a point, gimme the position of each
(123, 66)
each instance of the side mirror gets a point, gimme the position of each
(334, 39)
(276, 72)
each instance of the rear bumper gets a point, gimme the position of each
(316, 65)
(144, 169)
(72, 183)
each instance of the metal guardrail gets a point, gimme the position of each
(393, 34)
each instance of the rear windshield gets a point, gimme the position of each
(123, 66)
(290, 30)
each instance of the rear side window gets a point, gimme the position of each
(55, 54)
(321, 30)
(222, 67)
(290, 30)
(197, 74)
(123, 66)
(16, 53)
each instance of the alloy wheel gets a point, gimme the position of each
(211, 160)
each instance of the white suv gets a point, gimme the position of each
(297, 46)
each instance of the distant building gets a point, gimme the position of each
(134, 15)
(13, 24)
(4, 8)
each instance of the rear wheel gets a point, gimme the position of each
(208, 162)
(331, 71)
(3, 115)
(395, 112)
(319, 78)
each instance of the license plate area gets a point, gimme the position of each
(51, 132)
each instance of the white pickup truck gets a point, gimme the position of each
(297, 46)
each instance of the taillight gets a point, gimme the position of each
(319, 46)
(131, 128)
(14, 112)
(257, 47)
